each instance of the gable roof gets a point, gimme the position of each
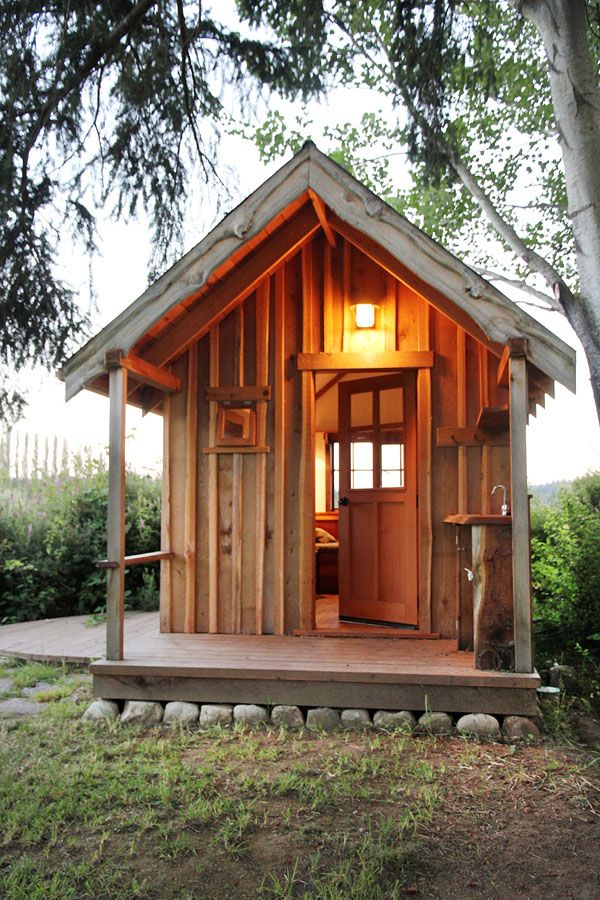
(362, 211)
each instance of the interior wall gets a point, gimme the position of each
(321, 465)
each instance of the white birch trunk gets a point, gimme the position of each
(562, 25)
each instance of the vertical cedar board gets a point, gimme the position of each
(249, 311)
(226, 615)
(293, 442)
(177, 474)
(317, 244)
(228, 362)
(473, 496)
(269, 609)
(249, 540)
(202, 487)
(444, 478)
(499, 456)
(407, 320)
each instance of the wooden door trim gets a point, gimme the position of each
(408, 493)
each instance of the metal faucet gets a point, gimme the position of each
(504, 507)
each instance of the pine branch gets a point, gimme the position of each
(77, 79)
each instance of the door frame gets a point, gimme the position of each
(422, 372)
(405, 495)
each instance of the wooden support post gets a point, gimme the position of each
(191, 454)
(517, 385)
(279, 476)
(424, 441)
(306, 556)
(262, 376)
(115, 592)
(165, 522)
(213, 496)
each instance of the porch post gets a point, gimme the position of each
(115, 590)
(518, 404)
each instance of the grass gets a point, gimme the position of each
(119, 813)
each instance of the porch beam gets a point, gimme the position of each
(517, 386)
(456, 436)
(211, 307)
(357, 362)
(149, 374)
(115, 585)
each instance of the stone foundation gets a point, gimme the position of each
(210, 715)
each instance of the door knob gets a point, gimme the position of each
(343, 501)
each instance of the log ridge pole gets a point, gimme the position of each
(115, 591)
(517, 385)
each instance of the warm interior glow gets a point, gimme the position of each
(364, 313)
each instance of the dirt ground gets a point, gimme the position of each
(89, 812)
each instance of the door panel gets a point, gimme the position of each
(378, 508)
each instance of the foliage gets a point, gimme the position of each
(112, 104)
(468, 81)
(52, 533)
(566, 573)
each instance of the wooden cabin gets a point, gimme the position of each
(320, 363)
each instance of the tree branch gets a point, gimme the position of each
(505, 230)
(79, 76)
(521, 285)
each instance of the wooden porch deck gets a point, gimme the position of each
(375, 673)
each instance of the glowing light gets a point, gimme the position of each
(364, 314)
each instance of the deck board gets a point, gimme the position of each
(358, 671)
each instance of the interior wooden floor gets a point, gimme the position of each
(328, 624)
(374, 673)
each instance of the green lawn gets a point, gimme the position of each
(109, 812)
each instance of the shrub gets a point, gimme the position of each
(53, 532)
(566, 572)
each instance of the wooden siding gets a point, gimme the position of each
(251, 548)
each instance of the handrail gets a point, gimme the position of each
(137, 559)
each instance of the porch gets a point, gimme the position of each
(359, 672)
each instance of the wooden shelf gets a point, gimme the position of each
(476, 519)
(493, 418)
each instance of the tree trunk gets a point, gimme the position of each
(562, 25)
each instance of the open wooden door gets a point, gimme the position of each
(378, 499)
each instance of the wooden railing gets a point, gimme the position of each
(137, 559)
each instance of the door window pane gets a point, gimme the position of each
(361, 409)
(392, 465)
(361, 465)
(391, 406)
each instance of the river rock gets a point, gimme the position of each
(588, 730)
(520, 728)
(101, 711)
(142, 712)
(435, 723)
(394, 720)
(179, 712)
(287, 717)
(39, 688)
(479, 725)
(250, 714)
(18, 708)
(213, 714)
(355, 719)
(323, 717)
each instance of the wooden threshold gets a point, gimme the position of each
(370, 631)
